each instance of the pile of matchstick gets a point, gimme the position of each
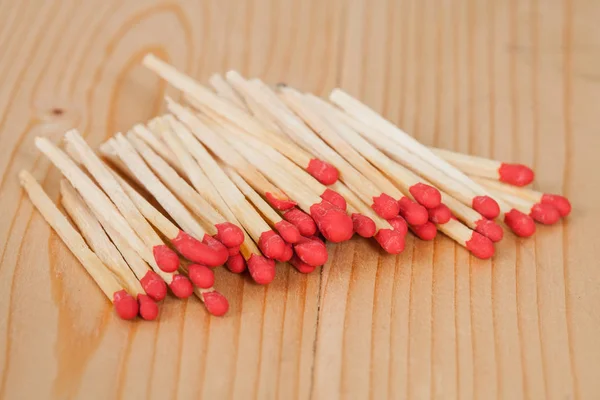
(247, 174)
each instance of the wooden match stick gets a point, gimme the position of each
(166, 259)
(366, 115)
(216, 225)
(125, 305)
(225, 90)
(150, 136)
(383, 204)
(487, 227)
(329, 129)
(479, 245)
(201, 97)
(557, 201)
(209, 252)
(106, 251)
(513, 174)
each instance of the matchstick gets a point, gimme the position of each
(166, 259)
(557, 201)
(209, 252)
(125, 305)
(149, 135)
(513, 174)
(106, 251)
(201, 97)
(543, 213)
(479, 245)
(223, 89)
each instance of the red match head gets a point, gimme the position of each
(301, 266)
(181, 286)
(515, 174)
(210, 252)
(333, 223)
(399, 224)
(271, 244)
(218, 255)
(561, 203)
(148, 308)
(440, 214)
(166, 259)
(385, 206)
(233, 251)
(334, 198)
(278, 203)
(480, 246)
(201, 275)
(426, 195)
(486, 206)
(262, 270)
(288, 231)
(413, 213)
(324, 172)
(312, 252)
(154, 286)
(304, 222)
(490, 229)
(522, 225)
(216, 304)
(126, 306)
(427, 231)
(287, 254)
(363, 225)
(229, 234)
(390, 240)
(236, 264)
(544, 214)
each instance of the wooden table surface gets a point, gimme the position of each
(514, 79)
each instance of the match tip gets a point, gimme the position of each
(287, 253)
(125, 305)
(480, 246)
(363, 225)
(304, 222)
(399, 224)
(440, 214)
(559, 202)
(279, 204)
(154, 286)
(322, 171)
(486, 206)
(233, 251)
(271, 244)
(301, 266)
(390, 240)
(181, 286)
(490, 229)
(201, 275)
(334, 198)
(236, 264)
(166, 259)
(426, 195)
(515, 174)
(522, 225)
(333, 223)
(148, 308)
(544, 214)
(261, 269)
(229, 234)
(288, 231)
(427, 231)
(216, 304)
(385, 206)
(312, 252)
(413, 213)
(210, 252)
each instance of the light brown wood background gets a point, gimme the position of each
(514, 79)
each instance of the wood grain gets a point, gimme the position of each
(516, 80)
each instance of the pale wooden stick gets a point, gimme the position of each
(150, 135)
(97, 239)
(95, 198)
(224, 90)
(88, 259)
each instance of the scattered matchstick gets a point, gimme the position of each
(479, 245)
(201, 97)
(225, 90)
(106, 251)
(125, 305)
(513, 174)
(540, 212)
